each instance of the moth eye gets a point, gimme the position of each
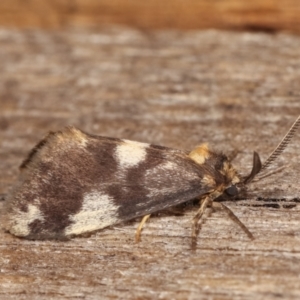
(232, 191)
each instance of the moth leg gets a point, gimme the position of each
(207, 201)
(233, 217)
(139, 229)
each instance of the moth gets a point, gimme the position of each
(73, 183)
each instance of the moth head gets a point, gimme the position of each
(237, 186)
(234, 182)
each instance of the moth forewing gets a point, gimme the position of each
(73, 183)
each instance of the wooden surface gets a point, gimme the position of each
(257, 15)
(237, 91)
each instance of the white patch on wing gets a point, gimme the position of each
(98, 211)
(19, 222)
(130, 153)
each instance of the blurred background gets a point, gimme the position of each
(261, 15)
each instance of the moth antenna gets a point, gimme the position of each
(282, 145)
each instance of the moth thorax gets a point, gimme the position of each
(217, 161)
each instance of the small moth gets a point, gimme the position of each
(74, 183)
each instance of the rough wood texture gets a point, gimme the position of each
(237, 91)
(263, 15)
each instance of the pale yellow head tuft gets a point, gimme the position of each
(200, 154)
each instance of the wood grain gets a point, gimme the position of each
(256, 15)
(237, 91)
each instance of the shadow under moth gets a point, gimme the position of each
(74, 183)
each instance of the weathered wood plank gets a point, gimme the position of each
(233, 90)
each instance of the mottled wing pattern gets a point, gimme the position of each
(74, 183)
